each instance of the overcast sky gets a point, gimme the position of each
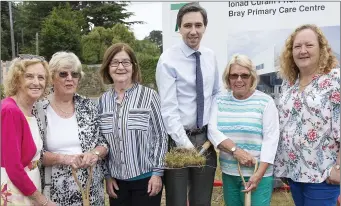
(150, 13)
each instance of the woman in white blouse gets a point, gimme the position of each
(72, 136)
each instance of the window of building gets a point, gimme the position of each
(260, 66)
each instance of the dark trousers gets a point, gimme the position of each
(198, 179)
(134, 193)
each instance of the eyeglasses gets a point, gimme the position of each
(75, 75)
(31, 56)
(242, 76)
(125, 63)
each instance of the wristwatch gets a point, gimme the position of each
(96, 153)
(233, 149)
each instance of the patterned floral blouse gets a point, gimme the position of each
(64, 190)
(309, 129)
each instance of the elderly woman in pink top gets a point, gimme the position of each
(21, 143)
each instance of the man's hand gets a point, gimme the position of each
(244, 158)
(111, 184)
(154, 185)
(185, 145)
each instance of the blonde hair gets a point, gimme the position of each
(327, 61)
(16, 73)
(64, 59)
(244, 61)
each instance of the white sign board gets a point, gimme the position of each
(257, 29)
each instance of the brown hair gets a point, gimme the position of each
(327, 60)
(110, 53)
(16, 72)
(191, 7)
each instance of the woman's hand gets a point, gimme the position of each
(38, 199)
(154, 185)
(111, 186)
(75, 161)
(244, 158)
(334, 177)
(253, 182)
(89, 159)
(49, 203)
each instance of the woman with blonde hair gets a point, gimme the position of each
(309, 110)
(247, 121)
(21, 143)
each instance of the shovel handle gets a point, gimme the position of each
(247, 197)
(205, 146)
(85, 193)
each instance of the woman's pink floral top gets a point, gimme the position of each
(309, 129)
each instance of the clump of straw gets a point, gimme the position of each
(179, 158)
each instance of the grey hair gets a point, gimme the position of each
(66, 60)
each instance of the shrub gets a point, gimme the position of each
(148, 68)
(2, 93)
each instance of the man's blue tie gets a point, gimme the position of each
(200, 91)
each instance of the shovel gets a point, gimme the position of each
(86, 192)
(247, 195)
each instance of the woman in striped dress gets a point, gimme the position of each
(131, 122)
(248, 119)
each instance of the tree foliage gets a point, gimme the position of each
(155, 36)
(29, 16)
(99, 39)
(148, 64)
(95, 43)
(5, 32)
(2, 92)
(85, 28)
(106, 13)
(61, 31)
(123, 34)
(28, 20)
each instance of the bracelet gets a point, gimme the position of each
(47, 201)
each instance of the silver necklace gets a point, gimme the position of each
(67, 113)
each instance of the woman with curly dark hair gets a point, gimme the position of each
(309, 111)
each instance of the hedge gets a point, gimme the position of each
(148, 68)
(92, 86)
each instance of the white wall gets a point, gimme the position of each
(265, 57)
